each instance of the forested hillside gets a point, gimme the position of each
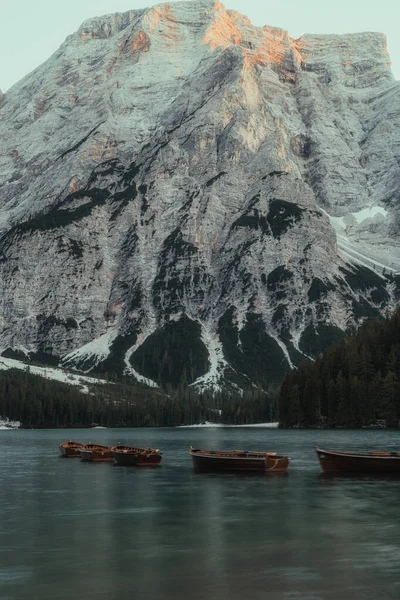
(40, 402)
(354, 383)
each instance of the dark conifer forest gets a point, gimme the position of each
(354, 383)
(40, 403)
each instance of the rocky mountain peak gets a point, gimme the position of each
(105, 27)
(186, 195)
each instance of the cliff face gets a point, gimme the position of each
(182, 193)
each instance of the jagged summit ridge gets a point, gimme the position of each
(177, 169)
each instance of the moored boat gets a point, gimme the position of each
(359, 462)
(70, 449)
(238, 460)
(139, 457)
(95, 453)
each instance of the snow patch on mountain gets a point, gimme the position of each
(296, 337)
(129, 369)
(214, 376)
(366, 216)
(97, 349)
(283, 347)
(356, 245)
(81, 381)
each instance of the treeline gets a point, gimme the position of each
(41, 403)
(354, 383)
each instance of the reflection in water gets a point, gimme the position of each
(72, 529)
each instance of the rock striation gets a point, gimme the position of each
(185, 195)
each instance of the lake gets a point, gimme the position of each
(82, 531)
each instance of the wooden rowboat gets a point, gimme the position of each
(70, 449)
(238, 460)
(138, 457)
(95, 453)
(357, 462)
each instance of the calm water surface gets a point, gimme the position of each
(73, 530)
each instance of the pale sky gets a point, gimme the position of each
(33, 29)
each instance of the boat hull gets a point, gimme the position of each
(347, 462)
(124, 459)
(214, 462)
(149, 461)
(100, 454)
(68, 450)
(136, 457)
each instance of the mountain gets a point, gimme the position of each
(187, 197)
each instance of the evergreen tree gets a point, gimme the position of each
(354, 383)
